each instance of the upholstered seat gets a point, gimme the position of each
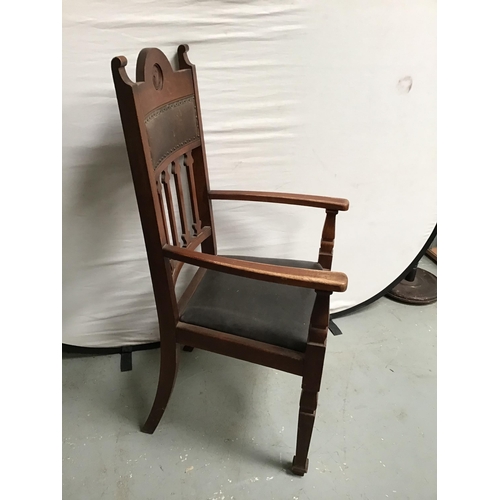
(268, 312)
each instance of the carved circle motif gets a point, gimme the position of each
(157, 77)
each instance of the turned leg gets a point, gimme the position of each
(315, 352)
(311, 380)
(168, 372)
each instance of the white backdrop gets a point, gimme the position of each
(331, 98)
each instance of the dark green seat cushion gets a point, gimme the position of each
(268, 312)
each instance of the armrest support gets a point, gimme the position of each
(331, 205)
(326, 281)
(286, 198)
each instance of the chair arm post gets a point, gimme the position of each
(325, 256)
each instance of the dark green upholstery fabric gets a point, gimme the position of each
(268, 312)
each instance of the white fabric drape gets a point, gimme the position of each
(331, 98)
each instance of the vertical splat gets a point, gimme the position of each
(165, 181)
(188, 160)
(161, 198)
(176, 170)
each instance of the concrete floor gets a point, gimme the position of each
(229, 430)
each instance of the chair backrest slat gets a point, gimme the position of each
(192, 191)
(166, 186)
(185, 229)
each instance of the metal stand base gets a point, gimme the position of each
(420, 291)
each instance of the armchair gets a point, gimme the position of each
(273, 312)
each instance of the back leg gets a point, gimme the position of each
(168, 372)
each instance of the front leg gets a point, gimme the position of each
(311, 380)
(307, 414)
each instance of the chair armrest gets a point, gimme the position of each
(286, 198)
(326, 281)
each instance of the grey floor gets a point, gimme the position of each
(229, 430)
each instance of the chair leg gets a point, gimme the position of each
(311, 380)
(188, 348)
(307, 414)
(168, 372)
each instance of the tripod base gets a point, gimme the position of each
(421, 291)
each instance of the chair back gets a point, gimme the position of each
(161, 120)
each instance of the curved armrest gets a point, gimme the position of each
(326, 281)
(286, 198)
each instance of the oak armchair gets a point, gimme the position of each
(161, 119)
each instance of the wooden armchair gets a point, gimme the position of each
(161, 120)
